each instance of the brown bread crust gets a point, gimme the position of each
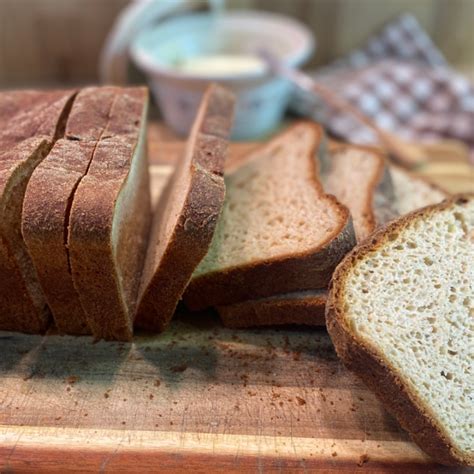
(306, 309)
(165, 281)
(24, 114)
(373, 367)
(48, 200)
(95, 263)
(18, 309)
(308, 270)
(28, 113)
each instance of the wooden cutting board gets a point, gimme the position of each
(198, 398)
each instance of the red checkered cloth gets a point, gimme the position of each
(403, 83)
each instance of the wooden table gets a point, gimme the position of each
(197, 398)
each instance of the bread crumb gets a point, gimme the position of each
(106, 395)
(301, 401)
(157, 382)
(334, 454)
(363, 459)
(72, 379)
(179, 368)
(151, 396)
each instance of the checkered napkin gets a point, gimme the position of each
(403, 83)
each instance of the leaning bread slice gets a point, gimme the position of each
(360, 179)
(400, 313)
(278, 232)
(304, 308)
(186, 215)
(22, 303)
(48, 201)
(109, 220)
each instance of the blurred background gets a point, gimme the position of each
(50, 42)
(406, 65)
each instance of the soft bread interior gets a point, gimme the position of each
(411, 299)
(130, 224)
(274, 206)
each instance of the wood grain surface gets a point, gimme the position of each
(196, 398)
(199, 395)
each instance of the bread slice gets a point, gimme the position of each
(413, 192)
(109, 220)
(278, 232)
(186, 216)
(400, 313)
(360, 179)
(25, 138)
(304, 308)
(48, 201)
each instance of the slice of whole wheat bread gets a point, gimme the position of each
(297, 308)
(413, 192)
(109, 221)
(48, 201)
(400, 314)
(187, 213)
(360, 179)
(31, 122)
(278, 232)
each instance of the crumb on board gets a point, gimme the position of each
(157, 382)
(334, 454)
(301, 401)
(72, 379)
(178, 368)
(363, 459)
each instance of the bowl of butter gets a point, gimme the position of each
(181, 55)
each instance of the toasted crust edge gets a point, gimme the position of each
(371, 366)
(307, 310)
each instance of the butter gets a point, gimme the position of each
(222, 65)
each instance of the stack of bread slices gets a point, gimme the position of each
(80, 246)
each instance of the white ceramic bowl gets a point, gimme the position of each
(261, 99)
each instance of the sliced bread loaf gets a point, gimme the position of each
(278, 232)
(23, 306)
(400, 313)
(48, 201)
(109, 220)
(187, 214)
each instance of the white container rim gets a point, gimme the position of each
(300, 34)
